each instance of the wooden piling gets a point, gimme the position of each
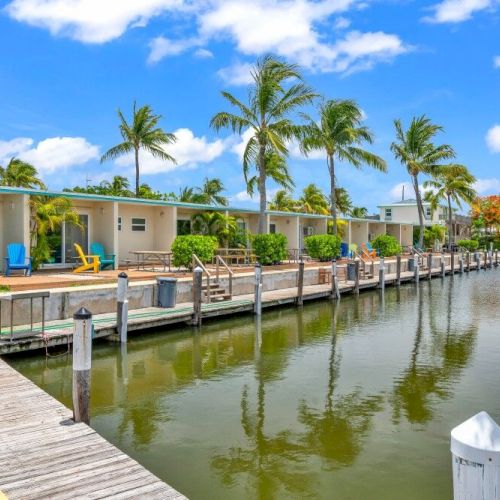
(461, 263)
(398, 270)
(122, 307)
(82, 360)
(356, 277)
(197, 284)
(477, 257)
(417, 270)
(452, 262)
(496, 258)
(300, 284)
(429, 265)
(335, 281)
(485, 260)
(443, 266)
(467, 261)
(258, 289)
(381, 274)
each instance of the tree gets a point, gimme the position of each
(313, 200)
(415, 149)
(283, 202)
(267, 116)
(451, 183)
(224, 227)
(210, 192)
(359, 212)
(486, 213)
(343, 201)
(19, 173)
(143, 133)
(340, 135)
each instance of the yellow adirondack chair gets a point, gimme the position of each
(86, 265)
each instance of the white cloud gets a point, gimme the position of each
(487, 186)
(203, 53)
(188, 150)
(496, 62)
(89, 21)
(52, 154)
(239, 142)
(161, 47)
(237, 74)
(493, 138)
(456, 11)
(341, 23)
(244, 196)
(396, 192)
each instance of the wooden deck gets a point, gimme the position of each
(60, 332)
(44, 454)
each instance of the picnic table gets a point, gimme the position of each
(153, 257)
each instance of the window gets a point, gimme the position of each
(119, 223)
(183, 227)
(388, 213)
(428, 212)
(138, 224)
(272, 228)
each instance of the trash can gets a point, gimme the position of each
(411, 264)
(167, 291)
(351, 271)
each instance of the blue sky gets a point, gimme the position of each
(66, 66)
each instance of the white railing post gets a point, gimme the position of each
(122, 306)
(475, 448)
(258, 289)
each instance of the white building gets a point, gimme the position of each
(406, 211)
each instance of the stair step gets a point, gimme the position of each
(220, 298)
(217, 291)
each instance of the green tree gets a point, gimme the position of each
(267, 115)
(142, 133)
(283, 202)
(19, 173)
(313, 200)
(415, 149)
(339, 134)
(452, 183)
(342, 200)
(210, 193)
(217, 224)
(359, 212)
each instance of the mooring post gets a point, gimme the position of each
(485, 260)
(490, 255)
(452, 262)
(461, 263)
(122, 306)
(356, 277)
(398, 270)
(477, 258)
(429, 265)
(417, 269)
(197, 284)
(300, 284)
(475, 449)
(443, 266)
(381, 274)
(257, 306)
(467, 260)
(496, 258)
(82, 360)
(335, 281)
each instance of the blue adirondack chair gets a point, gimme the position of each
(371, 249)
(16, 259)
(344, 250)
(104, 258)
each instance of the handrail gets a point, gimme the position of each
(199, 263)
(219, 259)
(364, 259)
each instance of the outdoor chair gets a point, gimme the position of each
(353, 248)
(16, 259)
(368, 253)
(89, 262)
(371, 249)
(104, 258)
(344, 250)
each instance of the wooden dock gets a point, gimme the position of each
(44, 454)
(60, 332)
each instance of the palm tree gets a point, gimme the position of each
(340, 134)
(276, 170)
(451, 183)
(343, 201)
(142, 133)
(359, 212)
(267, 115)
(224, 227)
(19, 173)
(416, 151)
(283, 202)
(313, 200)
(210, 192)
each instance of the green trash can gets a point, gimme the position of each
(167, 291)
(351, 271)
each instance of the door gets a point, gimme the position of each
(74, 234)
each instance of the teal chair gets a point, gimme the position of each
(16, 259)
(104, 258)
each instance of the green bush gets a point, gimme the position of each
(323, 246)
(485, 240)
(185, 246)
(386, 245)
(469, 245)
(431, 234)
(270, 248)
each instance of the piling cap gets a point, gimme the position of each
(477, 440)
(82, 313)
(123, 275)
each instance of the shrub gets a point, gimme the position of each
(184, 247)
(431, 234)
(469, 245)
(386, 245)
(323, 246)
(485, 240)
(270, 248)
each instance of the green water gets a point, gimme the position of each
(347, 401)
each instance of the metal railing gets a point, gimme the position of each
(198, 262)
(221, 261)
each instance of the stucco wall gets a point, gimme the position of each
(129, 240)
(16, 221)
(358, 232)
(375, 229)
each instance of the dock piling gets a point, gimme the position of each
(356, 277)
(335, 281)
(258, 289)
(300, 284)
(461, 263)
(82, 360)
(467, 260)
(496, 258)
(197, 284)
(429, 265)
(417, 270)
(485, 260)
(477, 258)
(398, 270)
(452, 262)
(443, 267)
(122, 307)
(381, 274)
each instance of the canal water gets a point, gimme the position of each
(353, 400)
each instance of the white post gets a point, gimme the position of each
(461, 263)
(443, 267)
(417, 270)
(258, 289)
(82, 359)
(381, 273)
(475, 448)
(197, 283)
(335, 281)
(122, 307)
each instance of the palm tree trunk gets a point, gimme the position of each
(262, 191)
(420, 209)
(451, 236)
(137, 185)
(333, 198)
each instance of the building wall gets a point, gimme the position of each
(129, 240)
(409, 214)
(104, 226)
(375, 229)
(289, 226)
(16, 221)
(393, 230)
(358, 232)
(406, 234)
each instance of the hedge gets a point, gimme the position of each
(323, 246)
(386, 245)
(184, 247)
(270, 248)
(469, 245)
